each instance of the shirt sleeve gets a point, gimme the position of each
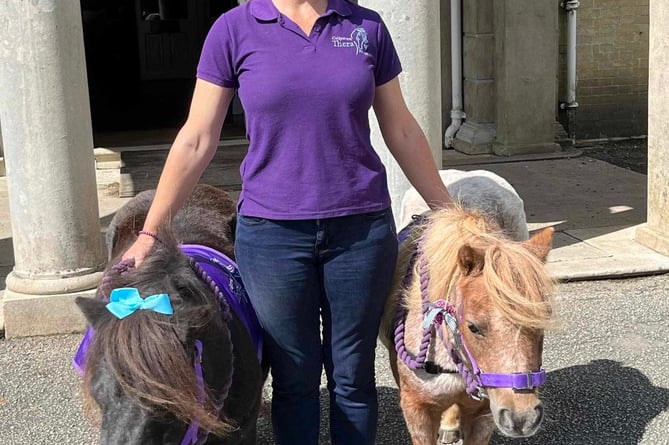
(388, 64)
(216, 63)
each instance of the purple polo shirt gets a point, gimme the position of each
(306, 100)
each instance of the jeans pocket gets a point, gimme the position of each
(376, 215)
(250, 220)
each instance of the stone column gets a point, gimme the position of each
(2, 156)
(416, 34)
(48, 145)
(526, 50)
(478, 132)
(655, 234)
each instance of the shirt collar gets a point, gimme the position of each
(266, 11)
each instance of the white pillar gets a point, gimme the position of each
(48, 147)
(415, 29)
(655, 234)
(2, 159)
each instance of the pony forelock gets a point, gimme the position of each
(146, 353)
(516, 281)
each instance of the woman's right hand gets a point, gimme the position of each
(140, 249)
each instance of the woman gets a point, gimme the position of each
(315, 235)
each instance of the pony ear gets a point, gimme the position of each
(470, 260)
(540, 244)
(93, 309)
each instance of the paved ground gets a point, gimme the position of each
(608, 363)
(608, 379)
(631, 154)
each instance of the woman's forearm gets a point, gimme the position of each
(412, 152)
(188, 158)
(408, 144)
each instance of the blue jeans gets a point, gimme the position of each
(297, 273)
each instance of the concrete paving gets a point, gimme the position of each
(607, 363)
(608, 380)
(594, 206)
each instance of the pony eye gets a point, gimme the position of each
(474, 329)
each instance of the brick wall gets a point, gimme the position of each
(612, 68)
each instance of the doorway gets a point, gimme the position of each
(141, 57)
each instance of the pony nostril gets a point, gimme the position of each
(539, 416)
(506, 419)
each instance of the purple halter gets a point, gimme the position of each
(220, 273)
(434, 314)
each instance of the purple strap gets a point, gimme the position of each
(405, 232)
(79, 360)
(192, 437)
(519, 381)
(225, 273)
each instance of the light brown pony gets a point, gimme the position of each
(500, 290)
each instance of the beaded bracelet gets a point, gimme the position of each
(151, 234)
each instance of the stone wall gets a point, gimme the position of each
(612, 67)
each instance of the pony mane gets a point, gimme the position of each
(151, 355)
(516, 281)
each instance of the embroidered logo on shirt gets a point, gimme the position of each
(358, 40)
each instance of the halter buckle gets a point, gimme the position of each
(528, 381)
(479, 395)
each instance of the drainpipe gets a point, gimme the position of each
(457, 111)
(570, 104)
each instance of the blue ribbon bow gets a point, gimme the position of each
(125, 301)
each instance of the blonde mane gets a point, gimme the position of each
(516, 281)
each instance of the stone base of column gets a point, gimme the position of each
(502, 149)
(474, 138)
(66, 282)
(653, 239)
(31, 315)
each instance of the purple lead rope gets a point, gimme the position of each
(419, 361)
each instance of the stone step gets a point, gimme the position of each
(140, 167)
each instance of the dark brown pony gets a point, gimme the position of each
(140, 370)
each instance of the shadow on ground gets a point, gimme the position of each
(630, 154)
(602, 403)
(6, 259)
(391, 428)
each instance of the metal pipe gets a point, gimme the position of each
(571, 6)
(457, 109)
(570, 104)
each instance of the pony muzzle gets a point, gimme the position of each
(514, 423)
